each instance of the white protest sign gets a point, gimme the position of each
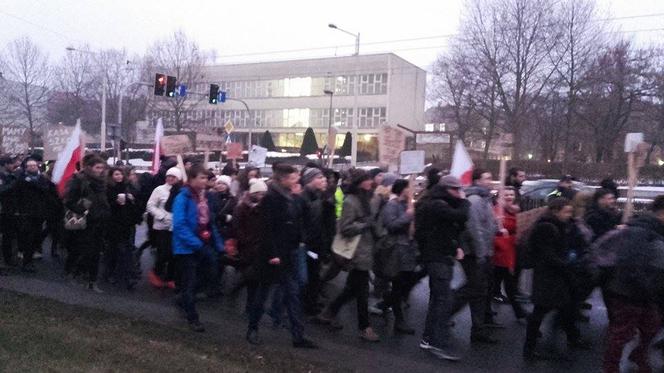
(55, 139)
(14, 140)
(632, 141)
(257, 155)
(411, 162)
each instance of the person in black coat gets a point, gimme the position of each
(7, 208)
(550, 244)
(29, 194)
(603, 216)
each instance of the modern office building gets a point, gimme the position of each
(287, 97)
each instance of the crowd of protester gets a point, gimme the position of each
(281, 236)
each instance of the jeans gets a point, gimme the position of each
(84, 251)
(289, 282)
(195, 269)
(279, 298)
(29, 237)
(502, 275)
(120, 261)
(626, 319)
(567, 316)
(9, 229)
(357, 286)
(475, 292)
(436, 329)
(402, 284)
(164, 265)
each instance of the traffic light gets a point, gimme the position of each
(159, 84)
(170, 86)
(214, 92)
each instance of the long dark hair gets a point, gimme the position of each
(112, 170)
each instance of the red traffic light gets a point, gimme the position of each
(159, 84)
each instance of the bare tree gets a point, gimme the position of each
(27, 68)
(514, 39)
(654, 103)
(73, 96)
(181, 57)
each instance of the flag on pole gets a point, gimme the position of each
(65, 166)
(156, 155)
(462, 165)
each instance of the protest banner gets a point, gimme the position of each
(257, 156)
(209, 142)
(14, 140)
(55, 139)
(176, 144)
(411, 162)
(391, 142)
(233, 150)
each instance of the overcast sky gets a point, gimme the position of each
(247, 26)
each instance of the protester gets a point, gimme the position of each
(124, 215)
(357, 218)
(550, 242)
(477, 266)
(504, 257)
(29, 193)
(381, 195)
(224, 204)
(195, 237)
(611, 185)
(564, 189)
(515, 179)
(633, 286)
(440, 218)
(8, 226)
(160, 207)
(279, 256)
(243, 177)
(397, 218)
(603, 216)
(85, 195)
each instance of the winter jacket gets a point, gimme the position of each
(481, 226)
(397, 224)
(123, 217)
(163, 220)
(248, 228)
(223, 205)
(553, 276)
(601, 221)
(185, 225)
(312, 209)
(283, 225)
(84, 189)
(636, 270)
(439, 221)
(504, 253)
(29, 193)
(355, 220)
(7, 202)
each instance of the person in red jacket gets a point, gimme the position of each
(504, 257)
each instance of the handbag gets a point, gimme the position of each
(345, 247)
(76, 222)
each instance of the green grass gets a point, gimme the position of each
(39, 335)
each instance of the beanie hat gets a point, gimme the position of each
(310, 174)
(389, 179)
(257, 185)
(225, 179)
(174, 171)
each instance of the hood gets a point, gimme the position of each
(476, 190)
(439, 192)
(649, 222)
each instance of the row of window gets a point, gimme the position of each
(372, 117)
(343, 85)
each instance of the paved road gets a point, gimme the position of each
(393, 353)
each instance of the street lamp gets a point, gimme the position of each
(356, 36)
(331, 136)
(103, 99)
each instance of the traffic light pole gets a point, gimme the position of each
(103, 114)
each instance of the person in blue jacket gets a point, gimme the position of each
(195, 240)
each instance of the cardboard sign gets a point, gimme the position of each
(55, 139)
(257, 156)
(176, 144)
(14, 140)
(391, 142)
(234, 150)
(632, 141)
(209, 142)
(411, 162)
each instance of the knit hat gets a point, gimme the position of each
(389, 179)
(224, 179)
(310, 174)
(174, 171)
(449, 181)
(257, 185)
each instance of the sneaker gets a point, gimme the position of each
(37, 256)
(445, 354)
(425, 345)
(196, 326)
(154, 280)
(252, 337)
(369, 335)
(92, 286)
(305, 343)
(403, 328)
(500, 299)
(375, 311)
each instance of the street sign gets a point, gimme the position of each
(229, 127)
(221, 97)
(181, 90)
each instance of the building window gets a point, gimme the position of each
(429, 127)
(371, 117)
(373, 84)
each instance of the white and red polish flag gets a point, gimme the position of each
(158, 134)
(462, 165)
(65, 166)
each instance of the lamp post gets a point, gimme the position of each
(356, 36)
(331, 135)
(103, 99)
